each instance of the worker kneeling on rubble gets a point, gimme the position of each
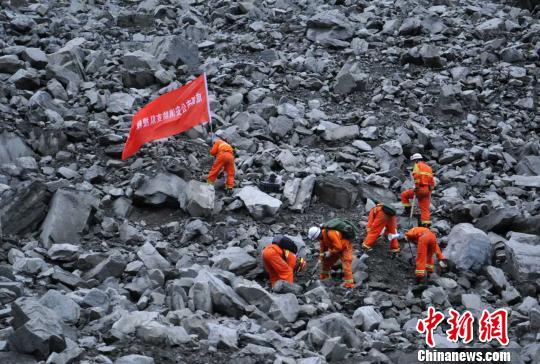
(280, 260)
(426, 248)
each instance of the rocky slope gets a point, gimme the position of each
(108, 261)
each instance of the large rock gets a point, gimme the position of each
(151, 257)
(302, 198)
(339, 132)
(129, 322)
(163, 189)
(68, 217)
(120, 103)
(113, 266)
(497, 278)
(524, 256)
(529, 166)
(224, 299)
(13, 147)
(330, 28)
(334, 325)
(284, 308)
(22, 209)
(36, 329)
(175, 50)
(65, 307)
(499, 221)
(254, 294)
(63, 252)
(468, 247)
(526, 181)
(134, 359)
(367, 318)
(258, 203)
(68, 60)
(234, 259)
(198, 199)
(335, 192)
(351, 78)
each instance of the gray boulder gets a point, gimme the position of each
(63, 252)
(523, 256)
(23, 208)
(284, 308)
(499, 220)
(221, 336)
(497, 278)
(163, 189)
(175, 50)
(224, 299)
(468, 247)
(367, 318)
(335, 192)
(198, 199)
(330, 28)
(36, 329)
(234, 259)
(351, 78)
(68, 217)
(120, 103)
(10, 64)
(258, 203)
(302, 197)
(113, 266)
(335, 325)
(254, 294)
(65, 307)
(13, 147)
(338, 132)
(151, 257)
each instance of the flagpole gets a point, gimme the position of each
(208, 104)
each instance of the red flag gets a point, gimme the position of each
(169, 114)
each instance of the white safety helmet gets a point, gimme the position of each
(416, 156)
(314, 232)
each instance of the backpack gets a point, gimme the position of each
(349, 230)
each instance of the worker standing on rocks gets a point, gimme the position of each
(426, 248)
(334, 247)
(381, 217)
(424, 184)
(224, 154)
(280, 260)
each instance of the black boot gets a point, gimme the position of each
(407, 211)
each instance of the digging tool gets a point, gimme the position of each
(313, 273)
(411, 223)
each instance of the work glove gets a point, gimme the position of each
(326, 254)
(300, 265)
(397, 236)
(443, 264)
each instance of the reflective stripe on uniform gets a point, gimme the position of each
(426, 221)
(348, 280)
(406, 204)
(421, 272)
(394, 250)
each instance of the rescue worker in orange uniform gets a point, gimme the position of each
(424, 184)
(381, 217)
(334, 247)
(224, 154)
(280, 260)
(426, 248)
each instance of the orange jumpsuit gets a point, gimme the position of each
(279, 263)
(427, 246)
(424, 184)
(224, 160)
(377, 221)
(341, 248)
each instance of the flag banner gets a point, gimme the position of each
(169, 114)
